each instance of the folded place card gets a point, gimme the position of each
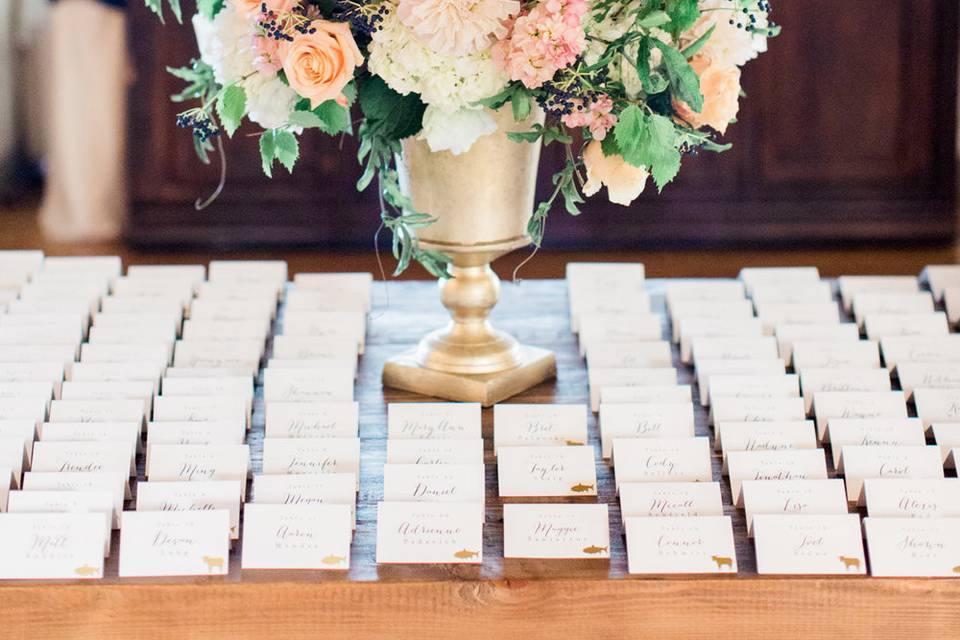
(689, 544)
(692, 328)
(195, 273)
(134, 334)
(912, 547)
(336, 326)
(116, 482)
(822, 544)
(312, 420)
(306, 489)
(99, 502)
(808, 292)
(206, 386)
(306, 348)
(36, 389)
(128, 432)
(299, 300)
(937, 405)
(630, 355)
(311, 455)
(142, 390)
(61, 353)
(792, 497)
(730, 409)
(51, 372)
(277, 536)
(706, 368)
(772, 314)
(429, 533)
(11, 458)
(44, 335)
(941, 349)
(856, 405)
(730, 310)
(212, 432)
(97, 411)
(308, 385)
(206, 372)
(226, 309)
(590, 281)
(174, 543)
(851, 285)
(334, 284)
(201, 409)
(912, 497)
(785, 277)
(259, 293)
(152, 314)
(862, 462)
(23, 430)
(323, 364)
(249, 272)
(618, 328)
(192, 496)
(200, 462)
(433, 451)
(644, 420)
(34, 409)
(869, 303)
(598, 378)
(664, 499)
(939, 277)
(221, 330)
(662, 460)
(434, 483)
(157, 353)
(813, 381)
(755, 348)
(703, 289)
(539, 424)
(787, 334)
(446, 420)
(785, 464)
(608, 304)
(532, 472)
(947, 437)
(889, 432)
(951, 304)
(51, 546)
(879, 326)
(833, 354)
(678, 394)
(753, 386)
(117, 372)
(236, 354)
(85, 457)
(765, 436)
(927, 375)
(556, 531)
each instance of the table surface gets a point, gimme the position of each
(594, 598)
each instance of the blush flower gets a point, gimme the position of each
(624, 181)
(720, 86)
(457, 27)
(321, 62)
(543, 41)
(596, 116)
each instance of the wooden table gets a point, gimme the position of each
(535, 599)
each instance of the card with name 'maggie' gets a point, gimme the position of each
(434, 483)
(862, 462)
(786, 464)
(912, 498)
(664, 499)
(547, 471)
(822, 544)
(662, 460)
(442, 420)
(424, 451)
(792, 497)
(312, 420)
(51, 546)
(279, 536)
(429, 533)
(913, 547)
(539, 424)
(192, 496)
(644, 420)
(556, 531)
(174, 543)
(689, 544)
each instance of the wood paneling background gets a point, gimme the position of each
(848, 135)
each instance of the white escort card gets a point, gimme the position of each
(211, 432)
(729, 310)
(862, 462)
(556, 531)
(62, 353)
(192, 496)
(51, 546)
(117, 372)
(174, 543)
(692, 328)
(34, 409)
(236, 354)
(107, 267)
(644, 420)
(155, 353)
(753, 386)
(539, 424)
(97, 411)
(603, 327)
(851, 285)
(11, 458)
(126, 390)
(940, 277)
(134, 335)
(546, 471)
(433, 483)
(822, 544)
(947, 437)
(301, 300)
(869, 303)
(856, 405)
(814, 381)
(129, 314)
(84, 457)
(913, 547)
(592, 284)
(879, 326)
(212, 386)
(336, 326)
(307, 489)
(333, 285)
(26, 390)
(195, 273)
(943, 349)
(434, 451)
(784, 464)
(912, 497)
(679, 394)
(635, 355)
(835, 354)
(323, 364)
(706, 368)
(730, 409)
(311, 455)
(598, 378)
(23, 430)
(665, 499)
(756, 348)
(306, 348)
(927, 375)
(277, 536)
(51, 372)
(447, 420)
(249, 272)
(308, 385)
(228, 310)
(715, 289)
(792, 497)
(772, 314)
(127, 432)
(688, 544)
(99, 502)
(937, 405)
(115, 482)
(200, 409)
(199, 462)
(807, 292)
(312, 420)
(764, 436)
(429, 533)
(788, 334)
(888, 432)
(662, 460)
(221, 330)
(785, 277)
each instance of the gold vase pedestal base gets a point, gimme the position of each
(536, 366)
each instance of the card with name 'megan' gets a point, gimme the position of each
(689, 544)
(307, 489)
(429, 533)
(192, 496)
(174, 543)
(905, 547)
(446, 420)
(432, 451)
(279, 536)
(912, 497)
(556, 531)
(51, 546)
(821, 544)
(312, 419)
(539, 425)
(644, 420)
(663, 499)
(547, 471)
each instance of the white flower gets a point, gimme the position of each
(269, 101)
(457, 131)
(457, 27)
(226, 44)
(729, 44)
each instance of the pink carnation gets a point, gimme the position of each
(596, 116)
(542, 41)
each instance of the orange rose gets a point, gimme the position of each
(624, 181)
(720, 86)
(319, 64)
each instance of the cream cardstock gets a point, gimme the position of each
(667, 499)
(51, 372)
(812, 292)
(691, 328)
(117, 372)
(308, 385)
(62, 353)
(785, 464)
(688, 544)
(228, 310)
(51, 546)
(444, 420)
(851, 285)
(679, 394)
(217, 386)
(335, 326)
(299, 300)
(195, 273)
(765, 436)
(142, 390)
(556, 531)
(788, 334)
(927, 375)
(44, 335)
(34, 409)
(333, 365)
(772, 314)
(336, 284)
(644, 420)
(618, 328)
(887, 432)
(913, 547)
(224, 330)
(539, 424)
(729, 310)
(249, 272)
(869, 303)
(730, 409)
(27, 390)
(835, 354)
(715, 289)
(156, 353)
(174, 543)
(605, 286)
(135, 334)
(784, 277)
(912, 497)
(200, 409)
(630, 305)
(708, 367)
(951, 304)
(192, 496)
(115, 482)
(312, 420)
(235, 292)
(11, 457)
(306, 348)
(939, 277)
(821, 544)
(942, 349)
(429, 533)
(306, 489)
(947, 437)
(433, 483)
(83, 456)
(814, 381)
(598, 378)
(629, 355)
(311, 455)
(128, 432)
(856, 405)
(433, 451)
(546, 471)
(235, 354)
(296, 537)
(753, 386)
(662, 460)
(99, 502)
(212, 432)
(152, 314)
(755, 348)
(937, 405)
(205, 372)
(100, 267)
(862, 462)
(792, 497)
(879, 326)
(23, 430)
(198, 462)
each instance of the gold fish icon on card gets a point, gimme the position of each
(86, 571)
(581, 488)
(465, 554)
(594, 549)
(333, 559)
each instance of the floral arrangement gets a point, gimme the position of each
(628, 87)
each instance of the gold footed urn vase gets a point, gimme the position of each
(482, 201)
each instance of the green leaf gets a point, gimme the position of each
(648, 141)
(609, 146)
(628, 132)
(267, 152)
(520, 102)
(202, 149)
(391, 115)
(666, 169)
(175, 8)
(683, 79)
(497, 101)
(524, 136)
(210, 8)
(696, 45)
(683, 13)
(287, 148)
(655, 19)
(157, 7)
(232, 105)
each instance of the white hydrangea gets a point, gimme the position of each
(457, 131)
(447, 82)
(615, 25)
(729, 44)
(269, 101)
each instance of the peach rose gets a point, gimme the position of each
(252, 7)
(720, 86)
(624, 181)
(319, 64)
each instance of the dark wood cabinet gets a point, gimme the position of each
(847, 135)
